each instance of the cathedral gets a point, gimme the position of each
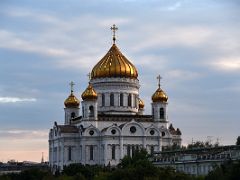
(110, 123)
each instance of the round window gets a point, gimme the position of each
(163, 133)
(152, 132)
(133, 129)
(113, 131)
(91, 132)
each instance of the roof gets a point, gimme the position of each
(121, 117)
(114, 64)
(68, 129)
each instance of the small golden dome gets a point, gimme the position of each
(159, 96)
(140, 104)
(71, 101)
(89, 93)
(114, 64)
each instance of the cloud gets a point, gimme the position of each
(183, 75)
(227, 64)
(174, 6)
(18, 134)
(23, 145)
(189, 36)
(26, 13)
(12, 41)
(16, 99)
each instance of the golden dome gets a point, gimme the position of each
(159, 96)
(71, 101)
(114, 64)
(89, 93)
(140, 103)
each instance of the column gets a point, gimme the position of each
(121, 147)
(159, 144)
(105, 154)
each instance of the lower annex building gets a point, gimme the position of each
(112, 123)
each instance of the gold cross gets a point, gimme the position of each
(89, 76)
(159, 79)
(71, 85)
(114, 28)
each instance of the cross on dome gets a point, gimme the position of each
(89, 76)
(114, 28)
(159, 80)
(71, 85)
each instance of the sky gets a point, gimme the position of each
(193, 45)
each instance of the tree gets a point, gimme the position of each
(238, 141)
(136, 167)
(228, 170)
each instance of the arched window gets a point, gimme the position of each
(161, 113)
(91, 152)
(111, 99)
(113, 151)
(121, 99)
(129, 100)
(91, 111)
(103, 99)
(73, 115)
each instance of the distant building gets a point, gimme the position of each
(16, 167)
(196, 161)
(112, 123)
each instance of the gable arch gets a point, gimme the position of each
(164, 132)
(128, 129)
(112, 130)
(91, 131)
(152, 128)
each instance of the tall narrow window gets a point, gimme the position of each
(137, 148)
(111, 99)
(91, 111)
(133, 150)
(129, 100)
(121, 99)
(73, 115)
(152, 150)
(128, 150)
(91, 152)
(161, 113)
(103, 99)
(69, 153)
(113, 151)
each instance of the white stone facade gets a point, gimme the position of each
(110, 127)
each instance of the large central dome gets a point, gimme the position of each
(114, 64)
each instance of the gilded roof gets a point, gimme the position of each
(114, 64)
(159, 96)
(140, 103)
(89, 93)
(71, 101)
